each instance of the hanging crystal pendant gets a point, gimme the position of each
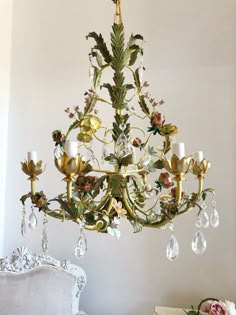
(122, 146)
(104, 151)
(199, 243)
(204, 219)
(45, 236)
(215, 219)
(145, 161)
(81, 247)
(172, 250)
(33, 220)
(23, 224)
(198, 222)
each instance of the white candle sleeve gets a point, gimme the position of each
(198, 156)
(179, 149)
(71, 148)
(32, 156)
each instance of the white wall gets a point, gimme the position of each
(190, 60)
(5, 61)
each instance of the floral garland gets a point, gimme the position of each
(213, 306)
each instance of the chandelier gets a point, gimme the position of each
(101, 191)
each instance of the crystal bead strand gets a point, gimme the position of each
(23, 224)
(215, 218)
(199, 243)
(172, 250)
(204, 216)
(45, 236)
(81, 247)
(33, 222)
(123, 146)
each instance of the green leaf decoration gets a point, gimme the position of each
(89, 107)
(24, 198)
(112, 159)
(153, 218)
(75, 125)
(99, 185)
(137, 226)
(71, 210)
(117, 183)
(151, 151)
(133, 50)
(116, 129)
(158, 165)
(118, 47)
(99, 60)
(96, 77)
(143, 105)
(101, 46)
(127, 160)
(137, 79)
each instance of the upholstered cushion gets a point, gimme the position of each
(41, 291)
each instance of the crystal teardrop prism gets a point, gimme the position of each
(204, 219)
(45, 242)
(104, 151)
(23, 227)
(145, 161)
(23, 224)
(121, 146)
(172, 250)
(198, 222)
(215, 218)
(81, 247)
(33, 221)
(199, 243)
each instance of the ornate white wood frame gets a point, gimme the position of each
(23, 260)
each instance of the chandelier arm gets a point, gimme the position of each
(54, 214)
(137, 128)
(128, 207)
(200, 184)
(130, 201)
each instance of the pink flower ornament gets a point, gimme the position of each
(218, 308)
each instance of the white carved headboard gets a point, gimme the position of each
(38, 284)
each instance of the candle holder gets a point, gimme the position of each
(199, 169)
(33, 170)
(178, 167)
(71, 167)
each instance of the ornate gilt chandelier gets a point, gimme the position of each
(96, 197)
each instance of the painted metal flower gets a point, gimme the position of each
(168, 130)
(85, 183)
(31, 169)
(158, 120)
(201, 168)
(89, 125)
(177, 166)
(165, 180)
(117, 205)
